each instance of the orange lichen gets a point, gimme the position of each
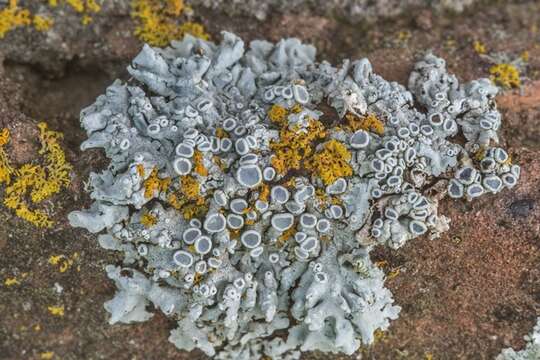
(198, 163)
(295, 145)
(286, 235)
(505, 75)
(148, 220)
(47, 355)
(6, 170)
(479, 47)
(140, 170)
(57, 167)
(154, 184)
(194, 29)
(368, 123)
(56, 310)
(63, 262)
(190, 187)
(221, 133)
(11, 281)
(42, 23)
(84, 7)
(158, 22)
(331, 163)
(264, 192)
(188, 200)
(12, 17)
(278, 114)
(296, 108)
(39, 182)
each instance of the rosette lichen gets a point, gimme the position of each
(247, 187)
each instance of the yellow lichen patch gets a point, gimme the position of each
(368, 123)
(140, 170)
(264, 192)
(148, 220)
(198, 163)
(221, 133)
(331, 163)
(378, 336)
(12, 17)
(480, 153)
(194, 29)
(190, 187)
(296, 108)
(39, 182)
(6, 171)
(47, 355)
(286, 235)
(189, 201)
(505, 75)
(42, 23)
(158, 22)
(57, 167)
(154, 184)
(84, 7)
(525, 56)
(56, 310)
(219, 162)
(11, 281)
(278, 114)
(28, 177)
(479, 47)
(295, 145)
(62, 262)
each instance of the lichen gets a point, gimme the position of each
(37, 182)
(505, 75)
(331, 163)
(56, 310)
(12, 17)
(282, 175)
(295, 145)
(158, 22)
(42, 23)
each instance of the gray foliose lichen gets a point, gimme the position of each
(247, 186)
(531, 350)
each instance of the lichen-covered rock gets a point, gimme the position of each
(252, 206)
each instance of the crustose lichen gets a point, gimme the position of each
(34, 183)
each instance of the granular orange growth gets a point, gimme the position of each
(278, 114)
(6, 171)
(286, 235)
(331, 163)
(199, 163)
(295, 145)
(190, 187)
(264, 192)
(154, 184)
(188, 200)
(368, 123)
(505, 75)
(158, 22)
(148, 220)
(39, 182)
(12, 17)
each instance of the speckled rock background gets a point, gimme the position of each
(464, 296)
